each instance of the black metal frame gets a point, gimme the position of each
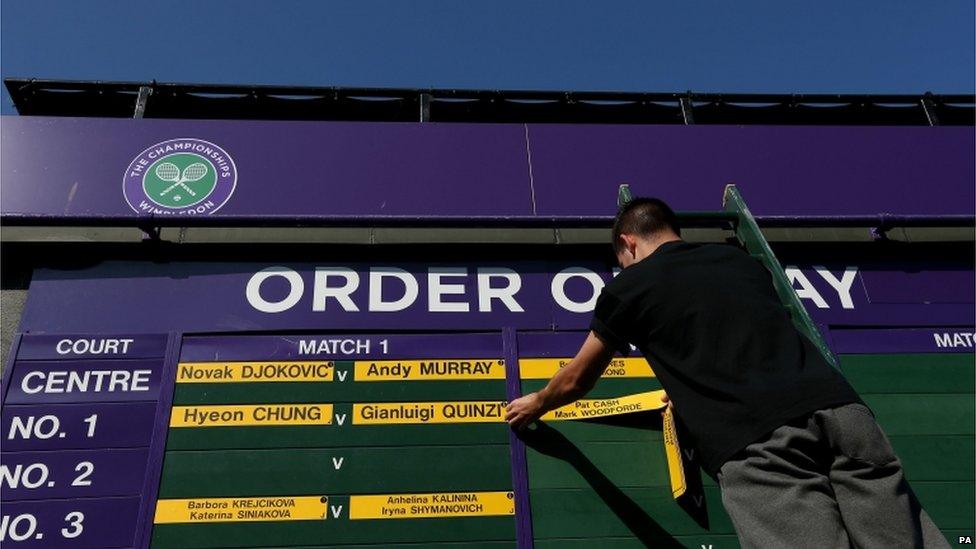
(173, 100)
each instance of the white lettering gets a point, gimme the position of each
(559, 289)
(842, 286)
(806, 289)
(29, 389)
(954, 339)
(410, 292)
(505, 294)
(11, 526)
(25, 429)
(92, 346)
(296, 289)
(95, 381)
(342, 294)
(21, 476)
(436, 289)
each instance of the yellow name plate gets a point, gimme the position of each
(545, 368)
(406, 413)
(245, 372)
(173, 511)
(430, 370)
(439, 505)
(251, 415)
(676, 469)
(594, 408)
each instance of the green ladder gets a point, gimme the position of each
(747, 232)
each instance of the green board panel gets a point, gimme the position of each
(624, 464)
(936, 457)
(910, 373)
(936, 414)
(351, 470)
(722, 541)
(435, 545)
(726, 541)
(648, 513)
(641, 464)
(610, 511)
(640, 427)
(332, 436)
(336, 391)
(334, 532)
(950, 504)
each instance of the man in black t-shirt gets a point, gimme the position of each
(799, 457)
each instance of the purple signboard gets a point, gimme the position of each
(840, 295)
(129, 168)
(111, 167)
(74, 523)
(72, 474)
(202, 297)
(77, 426)
(953, 285)
(781, 170)
(909, 340)
(75, 346)
(35, 382)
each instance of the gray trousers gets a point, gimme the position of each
(827, 480)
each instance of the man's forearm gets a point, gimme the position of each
(568, 385)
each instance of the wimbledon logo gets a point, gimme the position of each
(185, 176)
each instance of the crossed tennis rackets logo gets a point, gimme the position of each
(185, 175)
(169, 172)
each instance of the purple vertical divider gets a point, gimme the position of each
(157, 446)
(520, 469)
(8, 368)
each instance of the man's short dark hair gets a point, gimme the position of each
(644, 217)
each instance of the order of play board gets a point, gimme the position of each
(320, 440)
(335, 440)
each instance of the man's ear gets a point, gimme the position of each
(629, 243)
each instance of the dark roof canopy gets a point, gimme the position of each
(158, 100)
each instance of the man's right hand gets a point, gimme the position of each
(521, 412)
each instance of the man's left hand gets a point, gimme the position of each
(521, 412)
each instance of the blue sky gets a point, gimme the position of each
(813, 47)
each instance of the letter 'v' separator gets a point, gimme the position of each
(520, 469)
